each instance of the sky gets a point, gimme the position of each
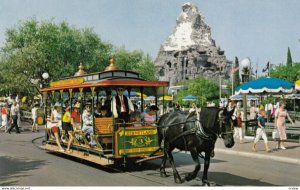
(259, 29)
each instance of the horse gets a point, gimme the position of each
(196, 133)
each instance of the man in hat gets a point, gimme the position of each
(122, 106)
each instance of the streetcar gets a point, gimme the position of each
(115, 141)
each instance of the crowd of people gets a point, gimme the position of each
(122, 109)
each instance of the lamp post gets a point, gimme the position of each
(246, 65)
(43, 84)
(173, 92)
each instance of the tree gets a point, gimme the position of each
(289, 73)
(289, 61)
(135, 61)
(201, 87)
(236, 75)
(33, 47)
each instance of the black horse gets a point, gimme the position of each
(184, 132)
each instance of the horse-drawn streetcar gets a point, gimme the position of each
(113, 136)
(114, 139)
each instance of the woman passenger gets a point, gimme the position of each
(55, 124)
(149, 117)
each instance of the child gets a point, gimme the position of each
(136, 119)
(260, 131)
(238, 130)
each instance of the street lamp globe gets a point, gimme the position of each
(246, 63)
(45, 75)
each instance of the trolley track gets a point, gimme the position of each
(129, 169)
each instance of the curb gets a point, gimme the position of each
(259, 156)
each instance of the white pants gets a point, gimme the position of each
(238, 132)
(4, 121)
(260, 132)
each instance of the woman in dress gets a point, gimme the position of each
(280, 120)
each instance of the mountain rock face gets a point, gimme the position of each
(190, 51)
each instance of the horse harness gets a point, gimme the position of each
(198, 130)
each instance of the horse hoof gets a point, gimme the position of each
(178, 181)
(163, 175)
(205, 183)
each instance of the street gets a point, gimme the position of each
(22, 163)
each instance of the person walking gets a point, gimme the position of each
(4, 114)
(239, 132)
(34, 126)
(260, 131)
(55, 124)
(14, 112)
(280, 123)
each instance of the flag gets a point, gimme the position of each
(267, 67)
(234, 70)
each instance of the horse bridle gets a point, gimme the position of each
(221, 120)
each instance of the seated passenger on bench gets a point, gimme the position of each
(149, 117)
(136, 119)
(87, 121)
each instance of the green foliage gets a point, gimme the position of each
(135, 61)
(33, 47)
(204, 89)
(289, 73)
(289, 61)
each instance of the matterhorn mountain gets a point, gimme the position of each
(190, 51)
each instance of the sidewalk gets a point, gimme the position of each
(290, 155)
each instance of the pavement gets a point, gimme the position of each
(290, 155)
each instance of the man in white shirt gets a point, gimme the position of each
(14, 112)
(122, 106)
(268, 109)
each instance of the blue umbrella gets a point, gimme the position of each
(189, 98)
(265, 85)
(132, 94)
(240, 97)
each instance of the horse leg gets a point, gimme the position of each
(163, 166)
(193, 175)
(206, 166)
(175, 172)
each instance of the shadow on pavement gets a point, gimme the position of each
(17, 167)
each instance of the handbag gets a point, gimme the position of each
(275, 134)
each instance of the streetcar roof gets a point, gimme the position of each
(104, 79)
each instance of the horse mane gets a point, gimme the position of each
(208, 117)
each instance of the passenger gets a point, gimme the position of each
(149, 117)
(76, 115)
(55, 124)
(87, 121)
(68, 126)
(97, 111)
(122, 106)
(103, 111)
(107, 103)
(136, 119)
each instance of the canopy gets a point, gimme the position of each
(140, 94)
(240, 97)
(166, 98)
(297, 85)
(149, 98)
(265, 85)
(189, 98)
(293, 96)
